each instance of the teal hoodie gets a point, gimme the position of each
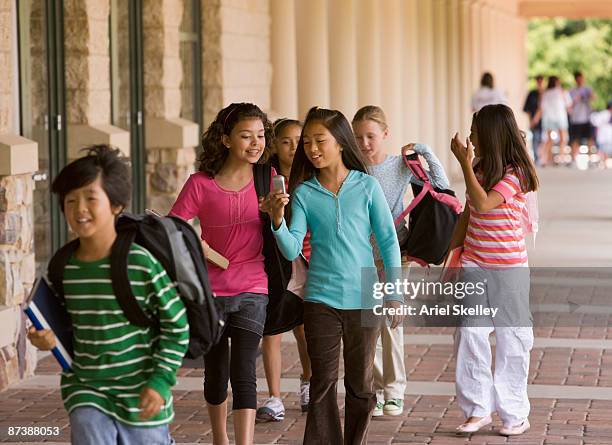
(340, 227)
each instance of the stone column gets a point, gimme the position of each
(212, 62)
(18, 160)
(343, 57)
(391, 75)
(456, 64)
(313, 51)
(465, 51)
(476, 48)
(87, 61)
(368, 56)
(410, 72)
(441, 81)
(170, 140)
(284, 58)
(426, 71)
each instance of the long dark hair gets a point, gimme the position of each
(339, 127)
(214, 153)
(502, 145)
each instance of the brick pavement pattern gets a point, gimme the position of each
(575, 210)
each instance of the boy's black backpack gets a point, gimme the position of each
(433, 215)
(177, 247)
(285, 310)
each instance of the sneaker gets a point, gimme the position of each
(394, 407)
(304, 394)
(378, 409)
(515, 430)
(272, 410)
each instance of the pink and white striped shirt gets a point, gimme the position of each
(495, 238)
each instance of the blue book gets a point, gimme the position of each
(45, 311)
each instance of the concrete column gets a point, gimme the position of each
(426, 71)
(391, 75)
(441, 81)
(284, 58)
(476, 49)
(343, 56)
(487, 39)
(368, 56)
(410, 72)
(456, 64)
(465, 61)
(87, 61)
(312, 48)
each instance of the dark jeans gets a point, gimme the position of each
(325, 329)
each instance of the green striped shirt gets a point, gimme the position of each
(113, 359)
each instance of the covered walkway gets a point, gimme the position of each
(570, 377)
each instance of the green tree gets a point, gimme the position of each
(560, 47)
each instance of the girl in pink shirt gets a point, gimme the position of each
(494, 254)
(222, 196)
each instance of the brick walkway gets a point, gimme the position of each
(570, 376)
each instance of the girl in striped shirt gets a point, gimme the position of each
(490, 230)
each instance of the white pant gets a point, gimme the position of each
(479, 392)
(389, 368)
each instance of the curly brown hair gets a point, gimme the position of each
(214, 153)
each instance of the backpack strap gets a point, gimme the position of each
(121, 281)
(55, 270)
(262, 176)
(415, 167)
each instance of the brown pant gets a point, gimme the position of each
(325, 328)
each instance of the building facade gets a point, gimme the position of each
(148, 75)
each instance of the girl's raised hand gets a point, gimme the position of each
(463, 153)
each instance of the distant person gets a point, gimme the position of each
(532, 108)
(579, 123)
(602, 121)
(487, 94)
(555, 104)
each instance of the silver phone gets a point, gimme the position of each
(278, 184)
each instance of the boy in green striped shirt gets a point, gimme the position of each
(119, 389)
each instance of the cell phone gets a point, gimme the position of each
(278, 184)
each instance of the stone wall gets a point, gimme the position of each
(236, 54)
(87, 61)
(170, 140)
(6, 64)
(17, 273)
(17, 265)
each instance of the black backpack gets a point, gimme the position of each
(433, 215)
(176, 245)
(285, 310)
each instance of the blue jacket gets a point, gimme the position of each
(340, 228)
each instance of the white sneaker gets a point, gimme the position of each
(467, 428)
(515, 430)
(272, 410)
(378, 409)
(304, 394)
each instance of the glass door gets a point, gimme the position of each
(41, 60)
(127, 83)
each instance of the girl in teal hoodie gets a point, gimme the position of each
(334, 198)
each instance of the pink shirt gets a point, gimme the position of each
(231, 225)
(495, 238)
